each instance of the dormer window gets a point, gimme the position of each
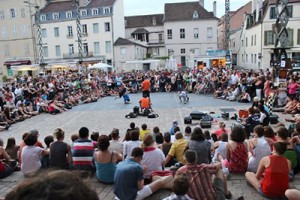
(195, 15)
(69, 14)
(43, 18)
(106, 10)
(55, 16)
(153, 21)
(95, 11)
(83, 12)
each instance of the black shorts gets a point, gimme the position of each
(146, 93)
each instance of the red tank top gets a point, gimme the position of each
(276, 179)
(238, 159)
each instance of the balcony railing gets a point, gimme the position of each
(156, 41)
(76, 55)
(69, 35)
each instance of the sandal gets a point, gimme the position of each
(228, 195)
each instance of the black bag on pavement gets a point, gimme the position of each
(273, 119)
(136, 110)
(196, 115)
(225, 115)
(205, 122)
(152, 115)
(131, 115)
(188, 120)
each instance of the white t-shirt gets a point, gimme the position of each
(116, 146)
(31, 160)
(153, 161)
(129, 146)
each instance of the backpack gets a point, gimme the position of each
(131, 115)
(152, 115)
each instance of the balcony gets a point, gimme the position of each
(76, 55)
(84, 34)
(156, 42)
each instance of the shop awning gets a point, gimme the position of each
(25, 67)
(17, 62)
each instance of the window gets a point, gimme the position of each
(12, 13)
(55, 16)
(182, 33)
(298, 36)
(209, 32)
(123, 50)
(195, 15)
(107, 46)
(273, 12)
(6, 50)
(95, 11)
(251, 40)
(4, 32)
(71, 49)
(290, 37)
(23, 15)
(107, 27)
(85, 48)
(153, 21)
(254, 58)
(160, 38)
(106, 10)
(246, 41)
(56, 31)
(70, 31)
(84, 29)
(196, 33)
(183, 61)
(246, 57)
(83, 12)
(1, 14)
(169, 34)
(243, 57)
(24, 30)
(251, 58)
(196, 51)
(269, 38)
(96, 48)
(69, 14)
(95, 28)
(242, 43)
(44, 33)
(43, 17)
(182, 51)
(255, 40)
(57, 51)
(26, 50)
(15, 31)
(45, 51)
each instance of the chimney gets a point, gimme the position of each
(201, 2)
(253, 6)
(215, 8)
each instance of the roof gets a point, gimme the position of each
(261, 19)
(69, 5)
(144, 20)
(123, 42)
(271, 2)
(184, 12)
(140, 30)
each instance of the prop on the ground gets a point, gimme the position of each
(225, 115)
(206, 121)
(273, 119)
(136, 112)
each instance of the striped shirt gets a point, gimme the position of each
(82, 153)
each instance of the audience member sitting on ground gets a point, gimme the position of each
(94, 138)
(60, 152)
(251, 121)
(220, 147)
(114, 143)
(5, 169)
(275, 168)
(201, 186)
(83, 151)
(129, 178)
(259, 147)
(144, 131)
(31, 156)
(292, 194)
(12, 149)
(180, 188)
(130, 145)
(58, 185)
(105, 160)
(199, 144)
(177, 149)
(221, 129)
(153, 157)
(237, 151)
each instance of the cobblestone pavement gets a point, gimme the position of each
(108, 113)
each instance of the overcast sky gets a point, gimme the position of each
(145, 7)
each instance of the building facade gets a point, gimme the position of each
(102, 24)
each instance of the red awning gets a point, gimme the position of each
(17, 62)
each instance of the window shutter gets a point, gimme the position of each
(8, 14)
(15, 12)
(265, 38)
(291, 32)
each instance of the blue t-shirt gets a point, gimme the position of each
(127, 174)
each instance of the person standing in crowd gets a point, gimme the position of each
(83, 151)
(146, 87)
